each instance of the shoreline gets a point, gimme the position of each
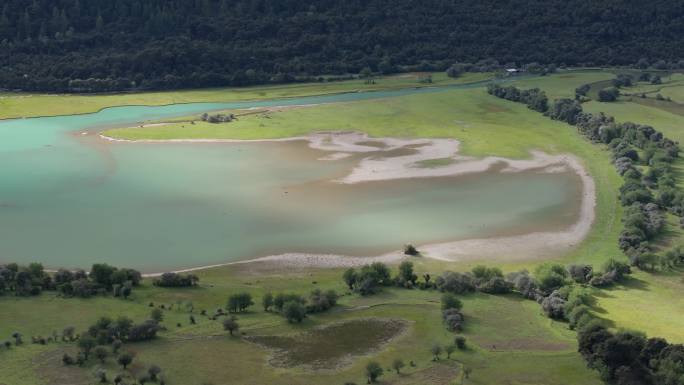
(534, 245)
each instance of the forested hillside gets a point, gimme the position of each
(103, 45)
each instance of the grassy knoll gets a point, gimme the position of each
(16, 105)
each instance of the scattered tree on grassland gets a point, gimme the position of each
(101, 353)
(460, 342)
(230, 324)
(294, 311)
(125, 359)
(373, 371)
(85, 344)
(157, 315)
(436, 350)
(267, 301)
(397, 365)
(239, 302)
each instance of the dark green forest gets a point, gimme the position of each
(107, 45)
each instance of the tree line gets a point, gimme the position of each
(564, 294)
(100, 45)
(623, 357)
(102, 279)
(643, 156)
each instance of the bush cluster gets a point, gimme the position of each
(295, 307)
(534, 98)
(176, 280)
(451, 312)
(33, 279)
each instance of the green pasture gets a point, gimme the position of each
(17, 105)
(508, 338)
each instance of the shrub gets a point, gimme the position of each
(350, 277)
(176, 280)
(101, 375)
(144, 331)
(67, 359)
(524, 284)
(580, 273)
(576, 314)
(86, 344)
(294, 311)
(554, 305)
(460, 342)
(153, 371)
(411, 250)
(453, 319)
(449, 301)
(125, 359)
(231, 325)
(373, 371)
(267, 301)
(101, 353)
(550, 276)
(239, 302)
(458, 283)
(436, 350)
(397, 365)
(280, 300)
(319, 301)
(157, 315)
(608, 94)
(496, 285)
(406, 277)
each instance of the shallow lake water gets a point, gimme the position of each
(69, 199)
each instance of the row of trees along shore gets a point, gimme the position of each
(643, 156)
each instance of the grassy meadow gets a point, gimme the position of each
(510, 341)
(508, 338)
(18, 105)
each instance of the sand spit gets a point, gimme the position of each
(376, 167)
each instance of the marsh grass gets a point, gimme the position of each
(333, 345)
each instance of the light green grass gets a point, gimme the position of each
(562, 85)
(16, 105)
(672, 86)
(524, 337)
(647, 302)
(650, 303)
(669, 124)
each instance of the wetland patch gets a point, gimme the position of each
(331, 346)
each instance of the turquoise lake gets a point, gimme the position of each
(70, 199)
